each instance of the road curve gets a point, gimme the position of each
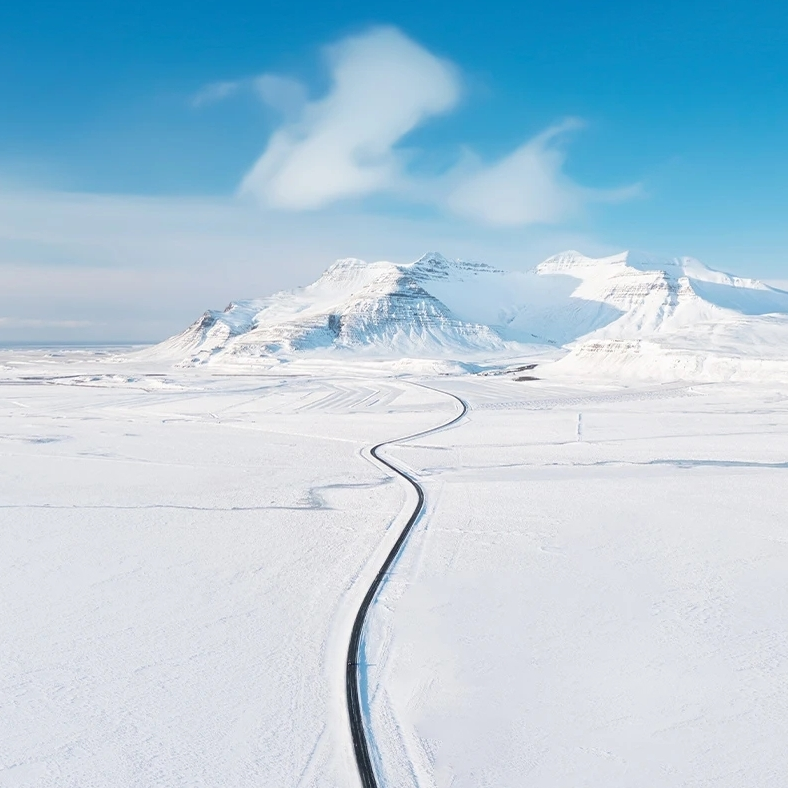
(360, 744)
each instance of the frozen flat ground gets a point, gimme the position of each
(181, 556)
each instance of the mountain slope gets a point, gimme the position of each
(625, 296)
(678, 319)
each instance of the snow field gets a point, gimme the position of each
(609, 612)
(179, 573)
(181, 557)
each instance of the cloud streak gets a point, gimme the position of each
(215, 92)
(383, 86)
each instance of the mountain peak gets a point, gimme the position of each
(433, 266)
(433, 258)
(353, 272)
(632, 261)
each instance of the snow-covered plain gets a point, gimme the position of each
(182, 553)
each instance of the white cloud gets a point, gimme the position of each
(383, 86)
(528, 186)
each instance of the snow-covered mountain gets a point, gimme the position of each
(625, 313)
(358, 306)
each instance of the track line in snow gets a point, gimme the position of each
(591, 399)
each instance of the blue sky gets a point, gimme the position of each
(160, 158)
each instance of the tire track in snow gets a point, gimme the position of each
(361, 741)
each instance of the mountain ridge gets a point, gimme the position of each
(437, 307)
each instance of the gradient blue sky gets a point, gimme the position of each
(129, 134)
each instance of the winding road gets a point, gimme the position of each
(360, 743)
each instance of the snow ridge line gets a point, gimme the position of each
(361, 743)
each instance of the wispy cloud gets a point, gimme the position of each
(214, 92)
(383, 86)
(528, 186)
(286, 95)
(345, 145)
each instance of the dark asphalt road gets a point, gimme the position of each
(360, 743)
